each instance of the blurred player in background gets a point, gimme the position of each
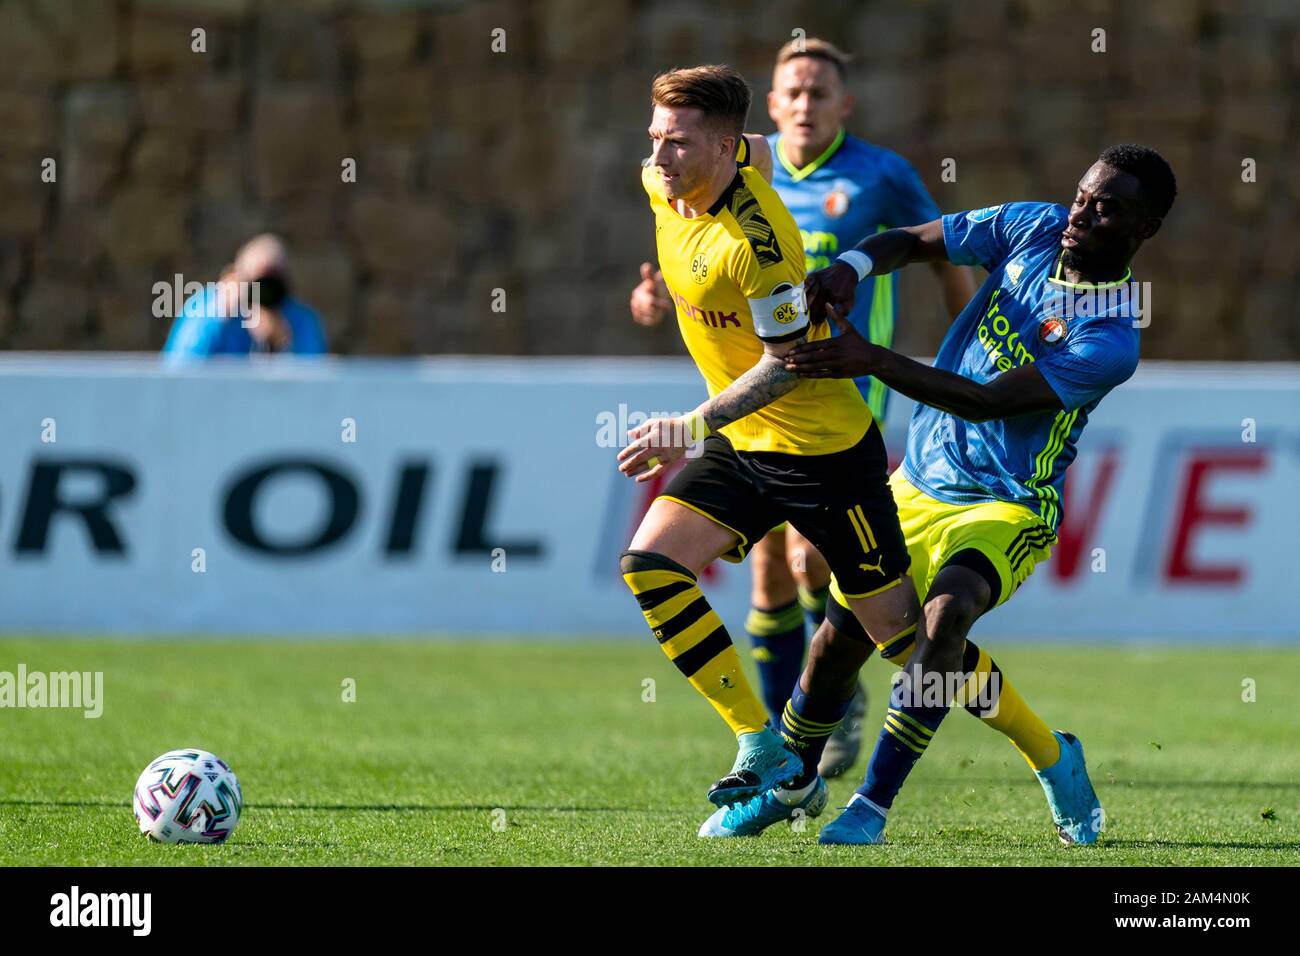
(211, 323)
(774, 447)
(838, 188)
(1050, 333)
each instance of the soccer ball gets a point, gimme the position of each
(187, 796)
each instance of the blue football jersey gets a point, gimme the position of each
(1081, 337)
(851, 191)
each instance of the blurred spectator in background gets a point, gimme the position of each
(213, 322)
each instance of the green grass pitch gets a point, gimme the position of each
(542, 753)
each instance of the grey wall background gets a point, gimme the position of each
(518, 170)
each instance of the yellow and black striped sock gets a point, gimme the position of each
(693, 636)
(994, 701)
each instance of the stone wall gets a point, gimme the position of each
(517, 170)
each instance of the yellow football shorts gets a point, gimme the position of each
(1011, 536)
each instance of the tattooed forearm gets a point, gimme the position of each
(761, 385)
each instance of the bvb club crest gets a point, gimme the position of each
(785, 313)
(836, 203)
(1051, 331)
(699, 268)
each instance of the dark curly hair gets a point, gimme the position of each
(1153, 174)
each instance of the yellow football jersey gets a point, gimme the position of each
(736, 275)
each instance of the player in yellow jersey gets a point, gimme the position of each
(775, 447)
(837, 188)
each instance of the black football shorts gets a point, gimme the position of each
(841, 502)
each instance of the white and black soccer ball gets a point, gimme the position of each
(187, 796)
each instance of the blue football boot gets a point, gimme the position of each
(1076, 811)
(757, 814)
(859, 824)
(764, 762)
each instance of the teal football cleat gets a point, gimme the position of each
(764, 762)
(859, 824)
(1076, 810)
(757, 814)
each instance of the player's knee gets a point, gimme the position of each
(632, 562)
(881, 618)
(948, 618)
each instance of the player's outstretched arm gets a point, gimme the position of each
(763, 384)
(661, 441)
(878, 254)
(1020, 391)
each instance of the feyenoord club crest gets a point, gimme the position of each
(836, 203)
(1051, 331)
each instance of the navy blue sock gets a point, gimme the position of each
(778, 639)
(909, 726)
(806, 724)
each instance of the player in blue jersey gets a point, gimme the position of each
(838, 188)
(1052, 330)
